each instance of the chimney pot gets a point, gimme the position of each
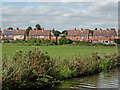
(75, 29)
(107, 29)
(42, 29)
(36, 28)
(81, 28)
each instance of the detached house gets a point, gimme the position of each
(104, 36)
(7, 34)
(19, 34)
(40, 34)
(78, 35)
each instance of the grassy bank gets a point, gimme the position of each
(57, 51)
(36, 69)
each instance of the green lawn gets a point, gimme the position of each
(57, 51)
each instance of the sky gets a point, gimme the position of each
(59, 15)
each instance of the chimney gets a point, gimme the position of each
(36, 28)
(100, 28)
(75, 29)
(107, 29)
(42, 29)
(81, 28)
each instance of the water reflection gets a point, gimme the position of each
(104, 79)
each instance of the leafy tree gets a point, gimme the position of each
(65, 32)
(10, 28)
(28, 29)
(56, 34)
(38, 26)
(65, 40)
(112, 28)
(95, 28)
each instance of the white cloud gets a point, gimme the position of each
(61, 15)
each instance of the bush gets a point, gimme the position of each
(65, 41)
(30, 69)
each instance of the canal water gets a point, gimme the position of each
(105, 79)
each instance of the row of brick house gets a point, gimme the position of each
(98, 36)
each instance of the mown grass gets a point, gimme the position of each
(57, 51)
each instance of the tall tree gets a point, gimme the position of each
(10, 28)
(28, 29)
(38, 26)
(56, 34)
(95, 28)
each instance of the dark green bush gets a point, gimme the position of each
(65, 40)
(30, 69)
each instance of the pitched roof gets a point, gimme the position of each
(104, 32)
(7, 32)
(78, 32)
(18, 32)
(39, 32)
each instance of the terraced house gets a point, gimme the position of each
(9, 34)
(104, 36)
(19, 34)
(119, 34)
(78, 35)
(40, 34)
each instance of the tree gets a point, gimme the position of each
(28, 29)
(38, 26)
(112, 28)
(65, 32)
(10, 28)
(56, 34)
(95, 28)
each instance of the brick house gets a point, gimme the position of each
(7, 34)
(78, 35)
(19, 34)
(40, 34)
(104, 36)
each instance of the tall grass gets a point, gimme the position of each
(35, 69)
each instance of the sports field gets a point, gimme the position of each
(57, 51)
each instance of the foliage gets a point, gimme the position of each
(35, 69)
(117, 41)
(38, 27)
(56, 34)
(65, 40)
(29, 69)
(28, 29)
(10, 28)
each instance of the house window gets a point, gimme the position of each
(36, 36)
(21, 36)
(100, 36)
(75, 36)
(106, 41)
(41, 36)
(54, 37)
(111, 41)
(95, 36)
(10, 35)
(116, 36)
(47, 36)
(69, 36)
(5, 36)
(94, 41)
(106, 36)
(80, 36)
(100, 41)
(90, 36)
(112, 36)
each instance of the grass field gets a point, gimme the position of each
(57, 51)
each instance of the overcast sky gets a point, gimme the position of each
(61, 16)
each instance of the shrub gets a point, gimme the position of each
(65, 41)
(30, 69)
